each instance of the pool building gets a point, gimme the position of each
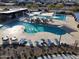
(12, 13)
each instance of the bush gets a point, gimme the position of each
(32, 6)
(51, 6)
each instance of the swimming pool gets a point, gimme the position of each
(32, 28)
(55, 16)
(59, 17)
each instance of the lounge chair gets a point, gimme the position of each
(39, 58)
(44, 43)
(22, 41)
(37, 44)
(31, 44)
(49, 57)
(45, 57)
(49, 42)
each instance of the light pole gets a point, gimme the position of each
(60, 40)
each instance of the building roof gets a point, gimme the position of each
(77, 16)
(12, 10)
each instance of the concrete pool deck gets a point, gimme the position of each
(66, 38)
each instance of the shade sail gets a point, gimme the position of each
(68, 29)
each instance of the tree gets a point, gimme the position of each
(32, 6)
(28, 5)
(51, 6)
(58, 6)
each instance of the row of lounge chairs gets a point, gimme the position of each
(40, 49)
(23, 41)
(38, 20)
(7, 40)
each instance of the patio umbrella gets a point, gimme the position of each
(5, 38)
(13, 38)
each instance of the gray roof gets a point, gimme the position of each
(12, 10)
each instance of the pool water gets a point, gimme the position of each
(55, 16)
(32, 28)
(59, 17)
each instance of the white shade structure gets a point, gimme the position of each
(30, 14)
(47, 14)
(36, 13)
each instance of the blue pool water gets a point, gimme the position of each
(59, 17)
(55, 16)
(32, 28)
